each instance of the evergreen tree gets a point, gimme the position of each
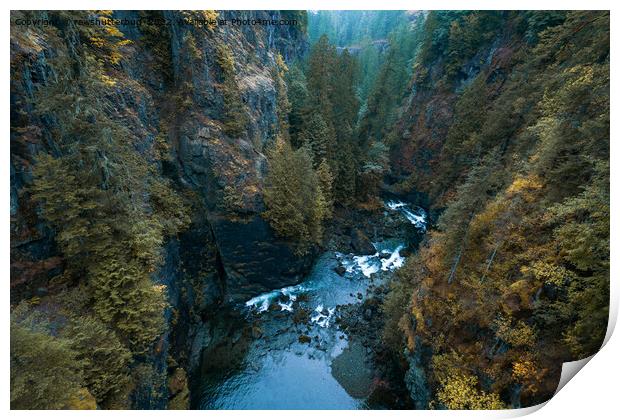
(326, 179)
(316, 137)
(283, 105)
(235, 114)
(373, 170)
(105, 361)
(321, 66)
(45, 371)
(298, 97)
(333, 108)
(296, 206)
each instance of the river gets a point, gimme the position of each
(294, 354)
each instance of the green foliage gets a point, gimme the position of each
(464, 146)
(156, 38)
(45, 371)
(235, 115)
(390, 86)
(298, 97)
(283, 105)
(104, 360)
(325, 180)
(537, 21)
(317, 137)
(296, 206)
(514, 280)
(582, 235)
(456, 36)
(125, 297)
(320, 75)
(110, 208)
(520, 257)
(347, 175)
(372, 171)
(99, 189)
(331, 114)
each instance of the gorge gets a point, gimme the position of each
(352, 210)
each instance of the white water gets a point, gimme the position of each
(262, 302)
(416, 217)
(367, 265)
(371, 264)
(394, 261)
(278, 370)
(320, 318)
(288, 307)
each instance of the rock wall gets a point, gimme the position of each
(428, 110)
(229, 253)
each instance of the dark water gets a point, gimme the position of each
(293, 354)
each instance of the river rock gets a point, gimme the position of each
(361, 244)
(257, 332)
(352, 370)
(405, 253)
(340, 269)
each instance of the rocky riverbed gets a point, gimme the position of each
(315, 344)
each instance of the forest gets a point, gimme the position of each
(165, 177)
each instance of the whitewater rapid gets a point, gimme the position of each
(294, 338)
(367, 265)
(416, 215)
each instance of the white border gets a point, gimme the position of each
(592, 395)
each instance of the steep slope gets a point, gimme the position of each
(166, 114)
(506, 131)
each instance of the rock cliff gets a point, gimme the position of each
(169, 92)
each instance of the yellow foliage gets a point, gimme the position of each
(524, 185)
(82, 400)
(518, 335)
(210, 16)
(518, 296)
(527, 373)
(460, 392)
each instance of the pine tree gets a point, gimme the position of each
(105, 361)
(298, 96)
(296, 205)
(283, 105)
(326, 179)
(372, 170)
(316, 137)
(235, 115)
(45, 371)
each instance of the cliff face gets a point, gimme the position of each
(169, 91)
(428, 111)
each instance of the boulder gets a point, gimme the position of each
(361, 244)
(340, 269)
(385, 254)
